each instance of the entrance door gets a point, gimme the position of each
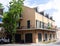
(17, 38)
(39, 37)
(46, 37)
(28, 38)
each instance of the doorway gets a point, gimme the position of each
(28, 38)
(17, 38)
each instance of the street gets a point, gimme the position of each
(33, 44)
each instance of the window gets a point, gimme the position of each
(50, 36)
(37, 24)
(45, 26)
(28, 24)
(18, 25)
(49, 24)
(39, 37)
(45, 36)
(40, 24)
(54, 36)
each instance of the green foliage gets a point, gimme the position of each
(49, 25)
(12, 16)
(16, 7)
(9, 23)
(1, 6)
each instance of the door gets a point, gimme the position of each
(28, 38)
(39, 37)
(46, 37)
(17, 38)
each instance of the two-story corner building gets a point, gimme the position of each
(35, 27)
(1, 28)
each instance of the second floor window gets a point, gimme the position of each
(18, 24)
(28, 24)
(37, 24)
(42, 24)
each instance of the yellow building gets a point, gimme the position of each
(35, 27)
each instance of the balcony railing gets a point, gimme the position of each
(25, 27)
(31, 27)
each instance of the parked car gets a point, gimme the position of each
(4, 41)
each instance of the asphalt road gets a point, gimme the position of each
(33, 44)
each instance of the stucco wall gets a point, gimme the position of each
(35, 35)
(32, 15)
(58, 34)
(28, 14)
(44, 19)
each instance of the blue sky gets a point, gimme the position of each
(36, 2)
(49, 6)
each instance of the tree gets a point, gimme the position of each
(1, 13)
(1, 6)
(12, 16)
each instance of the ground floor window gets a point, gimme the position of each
(28, 38)
(50, 36)
(46, 37)
(54, 36)
(39, 37)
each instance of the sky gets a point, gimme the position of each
(52, 7)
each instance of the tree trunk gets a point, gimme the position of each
(13, 38)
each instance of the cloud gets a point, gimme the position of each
(34, 3)
(43, 7)
(56, 15)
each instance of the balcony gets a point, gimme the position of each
(34, 28)
(21, 17)
(25, 27)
